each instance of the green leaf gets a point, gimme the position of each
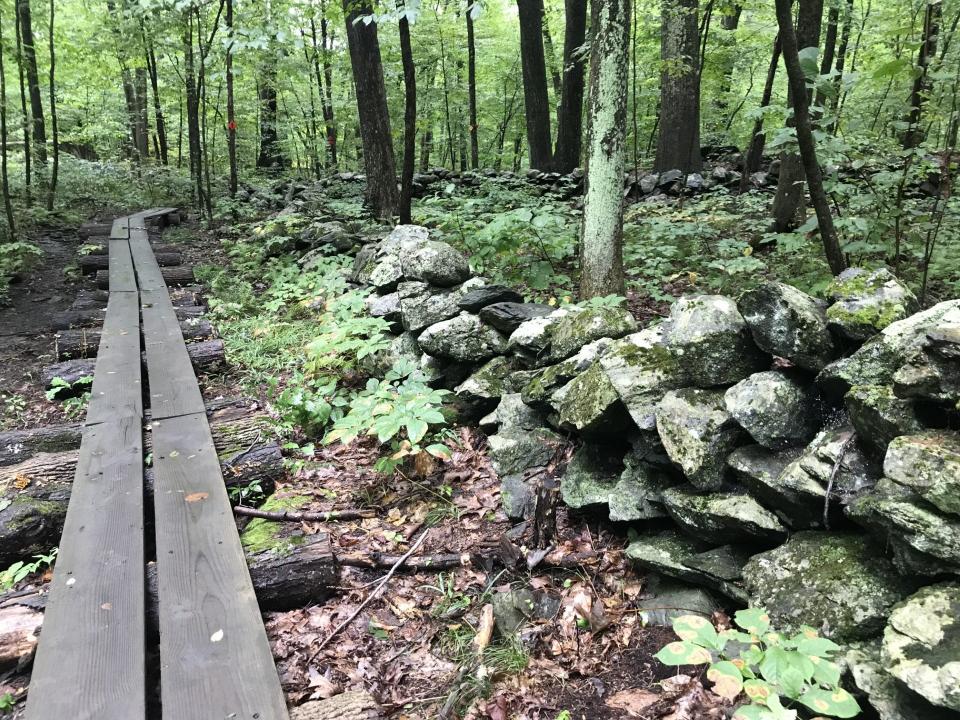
(683, 653)
(825, 672)
(726, 678)
(754, 620)
(758, 690)
(416, 429)
(752, 712)
(835, 703)
(699, 630)
(817, 646)
(439, 450)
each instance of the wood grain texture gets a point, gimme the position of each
(119, 229)
(90, 661)
(120, 276)
(173, 384)
(215, 658)
(149, 275)
(117, 391)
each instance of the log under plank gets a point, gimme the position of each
(19, 628)
(353, 705)
(93, 316)
(182, 275)
(98, 246)
(295, 575)
(94, 228)
(205, 356)
(89, 264)
(84, 343)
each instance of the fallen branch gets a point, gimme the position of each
(377, 560)
(376, 592)
(287, 516)
(833, 477)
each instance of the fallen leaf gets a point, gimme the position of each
(484, 629)
(197, 497)
(633, 701)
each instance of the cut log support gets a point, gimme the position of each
(84, 343)
(182, 275)
(296, 576)
(352, 705)
(34, 492)
(19, 631)
(91, 228)
(92, 317)
(100, 246)
(205, 356)
(90, 264)
(18, 445)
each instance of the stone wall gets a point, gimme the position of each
(774, 449)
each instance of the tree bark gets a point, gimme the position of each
(4, 179)
(231, 111)
(788, 204)
(328, 87)
(33, 80)
(602, 234)
(472, 90)
(758, 137)
(381, 193)
(294, 575)
(921, 84)
(808, 148)
(409, 118)
(570, 114)
(678, 142)
(193, 117)
(54, 127)
(159, 120)
(142, 134)
(270, 157)
(25, 119)
(535, 94)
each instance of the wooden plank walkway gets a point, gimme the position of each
(215, 660)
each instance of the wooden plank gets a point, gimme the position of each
(149, 275)
(172, 381)
(122, 278)
(117, 391)
(215, 657)
(119, 231)
(90, 661)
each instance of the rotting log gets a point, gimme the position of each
(89, 229)
(181, 275)
(353, 705)
(89, 264)
(18, 445)
(90, 317)
(34, 492)
(19, 631)
(100, 246)
(295, 575)
(205, 356)
(85, 343)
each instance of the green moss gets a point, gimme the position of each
(264, 535)
(878, 315)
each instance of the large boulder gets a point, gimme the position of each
(508, 316)
(641, 369)
(722, 518)
(512, 411)
(463, 338)
(921, 644)
(515, 449)
(539, 389)
(480, 393)
(590, 405)
(475, 300)
(788, 323)
(879, 416)
(929, 375)
(878, 360)
(531, 340)
(698, 434)
(575, 330)
(834, 582)
(711, 340)
(775, 409)
(436, 263)
(865, 302)
(422, 305)
(929, 465)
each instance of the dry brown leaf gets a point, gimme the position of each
(633, 701)
(484, 629)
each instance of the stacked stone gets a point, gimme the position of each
(754, 439)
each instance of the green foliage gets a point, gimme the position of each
(15, 257)
(14, 406)
(21, 570)
(74, 396)
(7, 701)
(767, 667)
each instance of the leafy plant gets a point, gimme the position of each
(20, 570)
(14, 406)
(769, 668)
(7, 701)
(75, 395)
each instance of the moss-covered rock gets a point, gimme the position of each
(722, 517)
(515, 449)
(789, 323)
(711, 341)
(834, 582)
(589, 404)
(921, 644)
(929, 464)
(436, 263)
(463, 338)
(879, 416)
(777, 410)
(480, 393)
(546, 381)
(531, 340)
(928, 375)
(278, 537)
(577, 329)
(698, 434)
(513, 412)
(865, 302)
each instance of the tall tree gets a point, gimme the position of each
(788, 203)
(678, 143)
(378, 160)
(33, 80)
(758, 138)
(270, 156)
(231, 109)
(409, 116)
(535, 94)
(54, 127)
(808, 148)
(25, 120)
(163, 151)
(325, 84)
(4, 179)
(602, 233)
(570, 114)
(932, 15)
(472, 87)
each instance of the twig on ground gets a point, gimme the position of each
(287, 516)
(375, 593)
(833, 477)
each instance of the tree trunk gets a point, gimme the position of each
(381, 192)
(808, 148)
(231, 112)
(140, 113)
(331, 124)
(25, 120)
(33, 80)
(270, 157)
(921, 84)
(157, 107)
(788, 204)
(409, 118)
(472, 90)
(602, 235)
(54, 127)
(840, 64)
(551, 57)
(193, 118)
(678, 143)
(758, 137)
(535, 94)
(4, 179)
(829, 48)
(570, 115)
